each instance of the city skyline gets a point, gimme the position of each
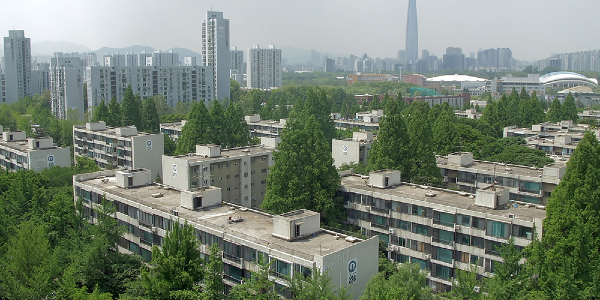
(469, 24)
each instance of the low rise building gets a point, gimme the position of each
(354, 150)
(441, 230)
(559, 139)
(470, 113)
(121, 147)
(505, 85)
(292, 242)
(524, 184)
(353, 78)
(17, 152)
(241, 173)
(589, 114)
(172, 129)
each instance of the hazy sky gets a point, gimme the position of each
(533, 29)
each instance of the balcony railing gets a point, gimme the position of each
(442, 241)
(232, 279)
(380, 210)
(380, 225)
(232, 257)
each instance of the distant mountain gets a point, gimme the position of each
(183, 52)
(132, 49)
(47, 48)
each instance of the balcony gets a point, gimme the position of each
(442, 241)
(386, 227)
(232, 279)
(380, 210)
(232, 258)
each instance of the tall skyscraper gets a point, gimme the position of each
(216, 51)
(17, 65)
(412, 33)
(264, 68)
(66, 86)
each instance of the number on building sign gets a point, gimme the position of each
(352, 268)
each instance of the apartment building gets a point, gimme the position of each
(66, 87)
(264, 128)
(17, 65)
(559, 139)
(17, 152)
(122, 147)
(293, 242)
(264, 69)
(354, 150)
(241, 173)
(215, 52)
(441, 230)
(470, 113)
(175, 83)
(528, 185)
(589, 114)
(172, 129)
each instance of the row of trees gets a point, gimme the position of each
(225, 127)
(132, 111)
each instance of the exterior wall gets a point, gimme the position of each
(66, 87)
(421, 241)
(337, 265)
(111, 150)
(17, 65)
(41, 159)
(264, 68)
(242, 179)
(146, 152)
(344, 151)
(175, 83)
(216, 53)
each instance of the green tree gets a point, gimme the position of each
(509, 279)
(237, 132)
(219, 129)
(114, 113)
(303, 175)
(258, 286)
(423, 168)
(317, 285)
(213, 281)
(28, 268)
(195, 131)
(408, 282)
(374, 105)
(150, 118)
(100, 112)
(315, 105)
(170, 145)
(130, 109)
(162, 108)
(569, 109)
(445, 139)
(465, 285)
(176, 266)
(390, 150)
(555, 113)
(571, 263)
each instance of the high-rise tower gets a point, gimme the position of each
(412, 33)
(215, 51)
(17, 65)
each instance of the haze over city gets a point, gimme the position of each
(532, 29)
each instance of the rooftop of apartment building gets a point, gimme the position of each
(363, 137)
(501, 169)
(100, 127)
(251, 225)
(212, 152)
(17, 140)
(444, 197)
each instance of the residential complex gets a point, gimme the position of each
(238, 67)
(354, 150)
(526, 185)
(66, 87)
(122, 147)
(292, 242)
(216, 53)
(264, 68)
(441, 230)
(586, 61)
(17, 152)
(17, 66)
(241, 173)
(175, 83)
(553, 138)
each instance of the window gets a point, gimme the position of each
(442, 272)
(263, 159)
(263, 170)
(477, 242)
(444, 255)
(422, 263)
(497, 229)
(478, 223)
(283, 268)
(445, 219)
(463, 220)
(228, 176)
(462, 256)
(522, 231)
(420, 229)
(444, 237)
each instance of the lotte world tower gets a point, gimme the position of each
(412, 33)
